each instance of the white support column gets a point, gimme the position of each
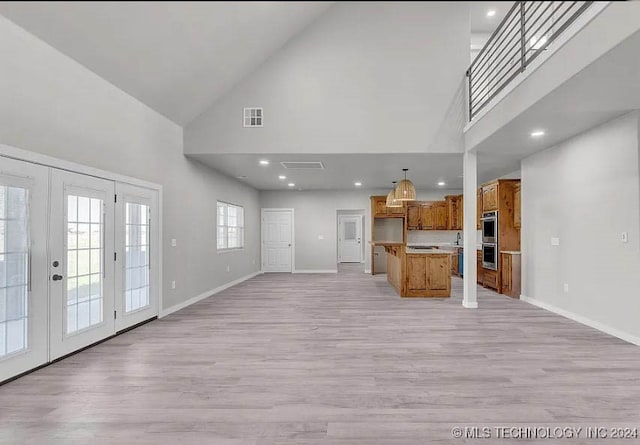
(470, 298)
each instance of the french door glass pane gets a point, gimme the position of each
(14, 269)
(137, 257)
(85, 227)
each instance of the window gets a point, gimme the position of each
(230, 226)
(252, 117)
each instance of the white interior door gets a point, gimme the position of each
(277, 240)
(350, 239)
(23, 266)
(137, 264)
(81, 239)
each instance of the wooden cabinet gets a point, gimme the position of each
(490, 278)
(427, 216)
(379, 208)
(490, 197)
(460, 212)
(440, 215)
(510, 267)
(479, 210)
(480, 277)
(516, 206)
(454, 263)
(413, 216)
(428, 275)
(454, 212)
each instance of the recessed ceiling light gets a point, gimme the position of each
(537, 133)
(491, 13)
(282, 177)
(357, 184)
(264, 162)
(442, 183)
(291, 184)
(241, 177)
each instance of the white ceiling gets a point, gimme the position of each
(342, 170)
(176, 57)
(480, 23)
(602, 91)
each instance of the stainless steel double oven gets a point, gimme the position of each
(490, 240)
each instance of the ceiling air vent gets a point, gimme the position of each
(303, 165)
(252, 117)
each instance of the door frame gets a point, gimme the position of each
(361, 226)
(293, 234)
(19, 154)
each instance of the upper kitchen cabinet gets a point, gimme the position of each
(440, 215)
(414, 221)
(427, 216)
(455, 210)
(379, 208)
(516, 206)
(490, 197)
(479, 210)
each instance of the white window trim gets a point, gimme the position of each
(229, 249)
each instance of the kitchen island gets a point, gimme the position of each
(419, 272)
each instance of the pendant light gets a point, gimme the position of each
(405, 190)
(391, 198)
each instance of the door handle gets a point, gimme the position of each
(289, 245)
(56, 277)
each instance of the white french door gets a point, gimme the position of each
(277, 240)
(349, 238)
(137, 267)
(23, 267)
(81, 246)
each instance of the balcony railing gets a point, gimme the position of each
(527, 30)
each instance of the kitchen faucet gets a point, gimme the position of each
(458, 238)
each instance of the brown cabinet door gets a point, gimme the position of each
(427, 217)
(480, 275)
(460, 213)
(452, 212)
(516, 206)
(490, 279)
(439, 275)
(440, 216)
(413, 217)
(506, 273)
(490, 197)
(454, 264)
(381, 207)
(396, 210)
(416, 272)
(479, 210)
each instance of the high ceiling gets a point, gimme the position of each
(480, 21)
(176, 57)
(341, 171)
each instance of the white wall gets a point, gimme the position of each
(315, 214)
(50, 104)
(585, 191)
(367, 77)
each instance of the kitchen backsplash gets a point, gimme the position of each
(433, 236)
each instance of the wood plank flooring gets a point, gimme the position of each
(329, 359)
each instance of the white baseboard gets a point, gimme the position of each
(583, 320)
(469, 305)
(209, 293)
(316, 271)
(367, 271)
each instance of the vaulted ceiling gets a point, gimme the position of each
(176, 57)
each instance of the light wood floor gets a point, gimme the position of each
(328, 359)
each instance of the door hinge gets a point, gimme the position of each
(115, 256)
(115, 198)
(115, 315)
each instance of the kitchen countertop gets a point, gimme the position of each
(511, 252)
(429, 251)
(386, 243)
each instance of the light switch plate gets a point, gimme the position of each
(555, 241)
(625, 237)
(320, 237)
(174, 243)
(566, 287)
(173, 284)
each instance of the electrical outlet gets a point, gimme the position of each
(173, 284)
(625, 237)
(566, 287)
(228, 268)
(320, 237)
(555, 241)
(174, 243)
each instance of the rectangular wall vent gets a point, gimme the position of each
(307, 165)
(252, 117)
